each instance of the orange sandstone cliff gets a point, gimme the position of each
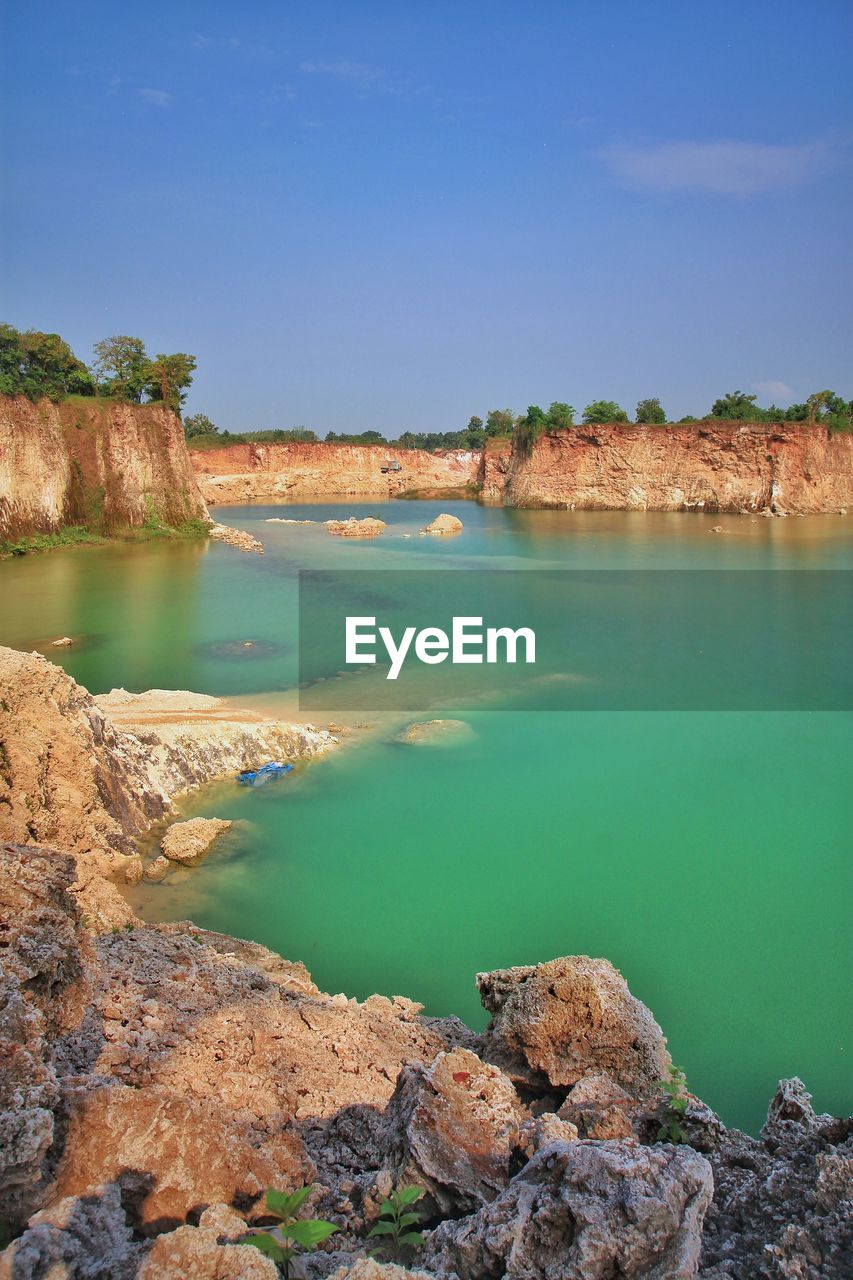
(100, 464)
(731, 466)
(241, 472)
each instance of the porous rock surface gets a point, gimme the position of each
(189, 841)
(559, 1021)
(585, 1211)
(238, 538)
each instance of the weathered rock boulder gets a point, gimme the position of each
(370, 1269)
(189, 841)
(783, 1203)
(458, 1122)
(85, 1238)
(367, 527)
(585, 1211)
(431, 733)
(207, 1252)
(569, 1018)
(157, 869)
(599, 1108)
(444, 524)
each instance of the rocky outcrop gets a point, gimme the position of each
(554, 1023)
(160, 1074)
(91, 776)
(242, 472)
(367, 527)
(188, 842)
(705, 466)
(103, 465)
(585, 1211)
(238, 538)
(444, 524)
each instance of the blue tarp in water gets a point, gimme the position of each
(267, 773)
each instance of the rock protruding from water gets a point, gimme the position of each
(64, 642)
(432, 733)
(188, 842)
(567, 1214)
(368, 527)
(238, 538)
(444, 524)
(569, 1018)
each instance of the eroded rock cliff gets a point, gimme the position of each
(732, 467)
(102, 465)
(242, 472)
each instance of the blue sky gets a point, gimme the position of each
(394, 216)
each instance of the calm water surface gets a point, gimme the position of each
(706, 854)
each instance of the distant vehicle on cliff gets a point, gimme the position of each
(390, 466)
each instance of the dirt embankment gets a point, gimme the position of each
(782, 467)
(105, 466)
(242, 472)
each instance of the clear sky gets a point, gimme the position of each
(390, 215)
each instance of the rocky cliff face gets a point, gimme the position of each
(105, 466)
(241, 472)
(92, 778)
(785, 467)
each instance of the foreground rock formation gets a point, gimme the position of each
(703, 466)
(106, 466)
(444, 524)
(366, 527)
(161, 1077)
(157, 1079)
(91, 776)
(242, 472)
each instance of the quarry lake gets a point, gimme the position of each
(705, 852)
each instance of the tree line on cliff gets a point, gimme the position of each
(39, 365)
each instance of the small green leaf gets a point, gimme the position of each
(266, 1244)
(411, 1237)
(309, 1232)
(383, 1229)
(408, 1195)
(406, 1219)
(286, 1206)
(388, 1208)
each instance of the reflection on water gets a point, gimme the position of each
(706, 854)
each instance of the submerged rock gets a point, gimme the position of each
(238, 538)
(158, 869)
(569, 1018)
(64, 643)
(427, 733)
(444, 524)
(368, 527)
(189, 841)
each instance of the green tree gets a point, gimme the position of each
(122, 367)
(198, 424)
(529, 428)
(560, 416)
(169, 378)
(737, 406)
(48, 367)
(604, 411)
(499, 422)
(11, 361)
(650, 410)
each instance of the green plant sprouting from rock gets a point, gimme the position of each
(673, 1106)
(398, 1221)
(292, 1233)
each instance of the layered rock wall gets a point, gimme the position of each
(243, 472)
(730, 467)
(106, 466)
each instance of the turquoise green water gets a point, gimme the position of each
(706, 854)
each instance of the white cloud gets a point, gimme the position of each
(357, 74)
(157, 97)
(775, 390)
(723, 168)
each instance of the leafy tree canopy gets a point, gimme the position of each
(560, 416)
(122, 367)
(168, 378)
(650, 410)
(499, 422)
(604, 411)
(198, 424)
